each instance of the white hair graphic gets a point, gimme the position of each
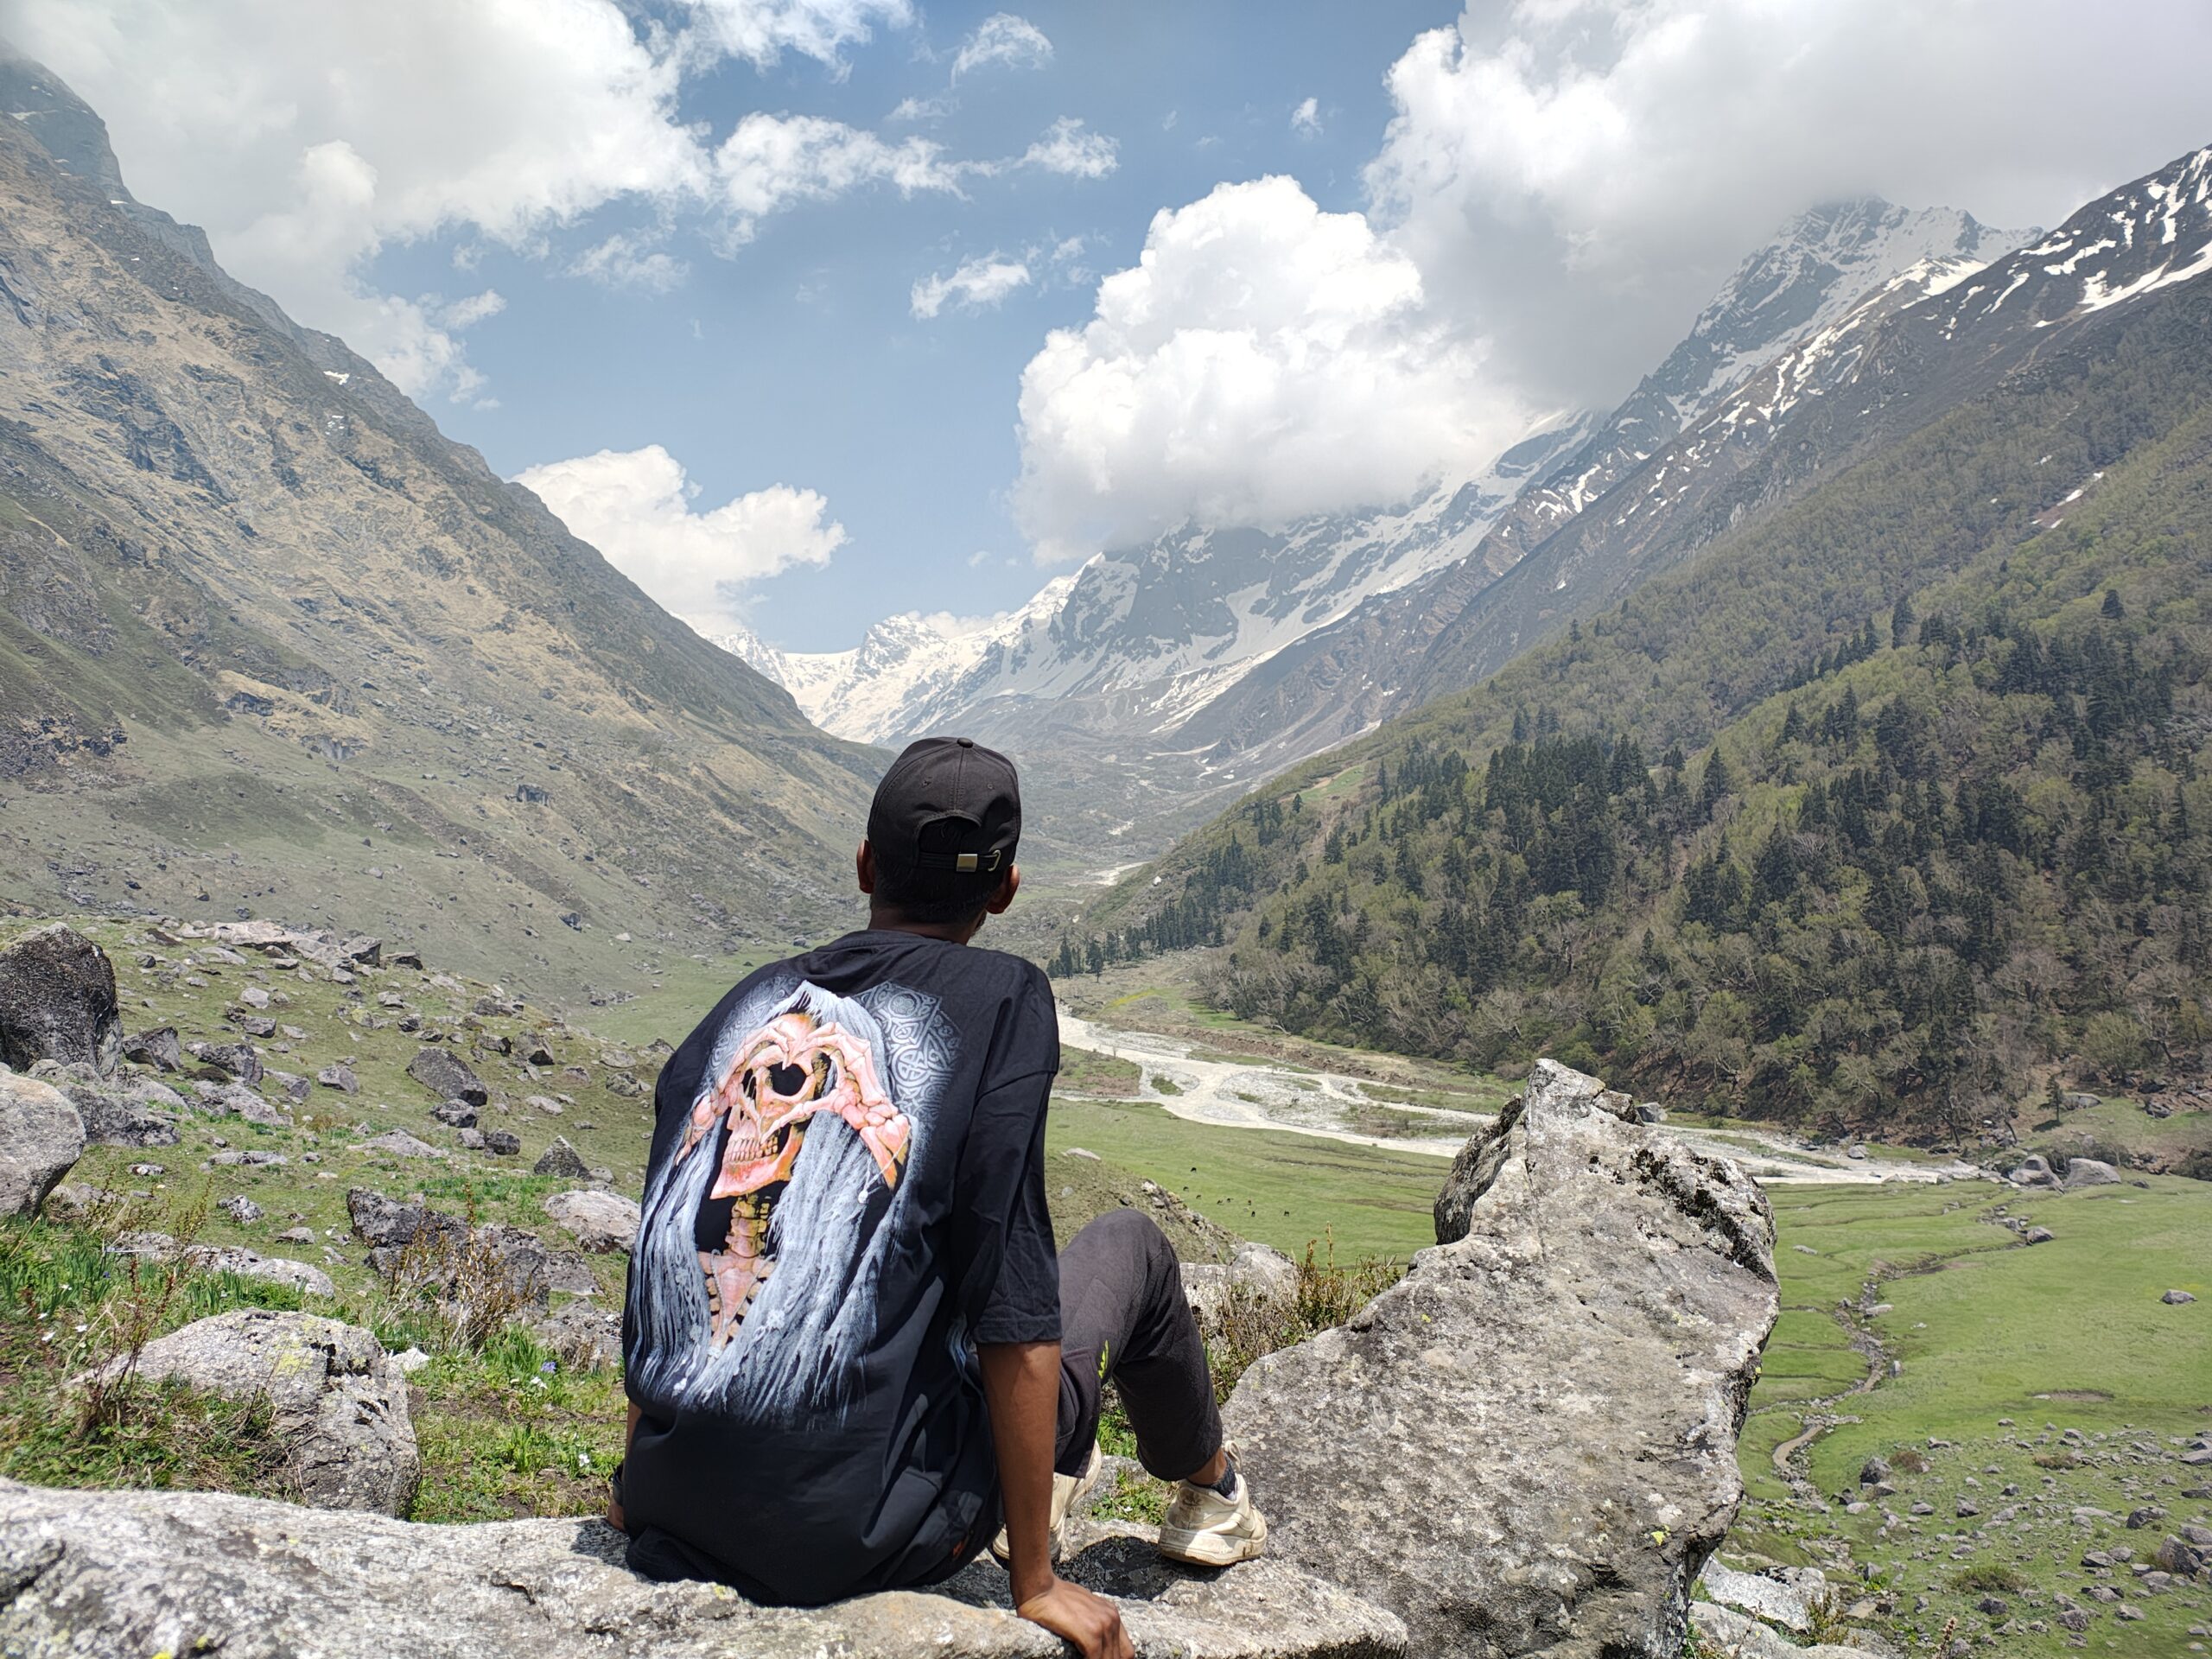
(798, 1352)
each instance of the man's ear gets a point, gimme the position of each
(995, 905)
(864, 867)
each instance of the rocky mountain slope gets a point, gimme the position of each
(1156, 679)
(271, 646)
(1950, 683)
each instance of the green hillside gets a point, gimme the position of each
(1888, 808)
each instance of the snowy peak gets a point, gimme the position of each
(2141, 238)
(1818, 266)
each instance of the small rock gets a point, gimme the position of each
(2089, 1171)
(400, 1144)
(241, 1060)
(158, 1046)
(456, 1114)
(561, 1158)
(2176, 1298)
(340, 1077)
(545, 1103)
(2038, 1235)
(229, 1258)
(239, 1208)
(501, 1143)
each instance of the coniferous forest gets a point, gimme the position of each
(1887, 809)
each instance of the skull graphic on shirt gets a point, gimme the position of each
(780, 1078)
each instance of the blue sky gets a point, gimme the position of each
(798, 361)
(667, 260)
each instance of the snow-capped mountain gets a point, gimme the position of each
(1212, 655)
(1160, 628)
(1821, 266)
(1905, 354)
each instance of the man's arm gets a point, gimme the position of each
(1021, 1384)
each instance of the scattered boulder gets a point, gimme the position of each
(95, 1571)
(157, 1047)
(2037, 1235)
(235, 1099)
(1873, 1471)
(246, 1264)
(57, 1001)
(456, 1114)
(338, 1075)
(2176, 1298)
(387, 1223)
(400, 1144)
(1581, 1343)
(2034, 1170)
(446, 1074)
(502, 1143)
(240, 1209)
(112, 1119)
(601, 1222)
(1651, 1111)
(41, 1137)
(1255, 1274)
(241, 1060)
(2180, 1558)
(2080, 1103)
(2089, 1171)
(585, 1337)
(1786, 1598)
(561, 1158)
(1724, 1630)
(341, 1404)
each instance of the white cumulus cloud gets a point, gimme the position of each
(308, 137)
(1068, 147)
(1577, 178)
(975, 284)
(1262, 360)
(636, 507)
(1005, 40)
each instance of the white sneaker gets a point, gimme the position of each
(1065, 1489)
(1209, 1530)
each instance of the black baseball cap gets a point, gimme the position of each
(950, 804)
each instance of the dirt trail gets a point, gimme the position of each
(1260, 1094)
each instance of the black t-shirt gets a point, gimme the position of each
(846, 1194)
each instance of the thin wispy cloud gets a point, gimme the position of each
(1002, 40)
(973, 285)
(1305, 119)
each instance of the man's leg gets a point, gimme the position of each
(1124, 1319)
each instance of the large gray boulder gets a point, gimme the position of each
(57, 1001)
(2089, 1171)
(114, 1118)
(339, 1402)
(601, 1222)
(101, 1572)
(41, 1137)
(1528, 1446)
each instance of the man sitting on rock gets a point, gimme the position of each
(853, 1359)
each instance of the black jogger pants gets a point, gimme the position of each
(1123, 1319)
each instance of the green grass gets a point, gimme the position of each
(1280, 1188)
(2069, 1334)
(1084, 1072)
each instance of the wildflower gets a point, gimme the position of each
(82, 1327)
(546, 1368)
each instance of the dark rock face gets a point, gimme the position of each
(57, 1001)
(157, 1047)
(1555, 1391)
(241, 1060)
(117, 1120)
(447, 1076)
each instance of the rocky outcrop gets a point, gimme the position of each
(1255, 1274)
(57, 1001)
(1528, 1446)
(41, 1137)
(339, 1402)
(447, 1076)
(192, 1571)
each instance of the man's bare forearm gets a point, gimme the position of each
(1021, 1383)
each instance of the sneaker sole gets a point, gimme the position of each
(1214, 1548)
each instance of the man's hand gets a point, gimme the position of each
(1091, 1622)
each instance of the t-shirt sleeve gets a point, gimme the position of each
(1010, 1278)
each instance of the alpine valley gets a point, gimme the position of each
(1155, 682)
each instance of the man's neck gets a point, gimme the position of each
(883, 921)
